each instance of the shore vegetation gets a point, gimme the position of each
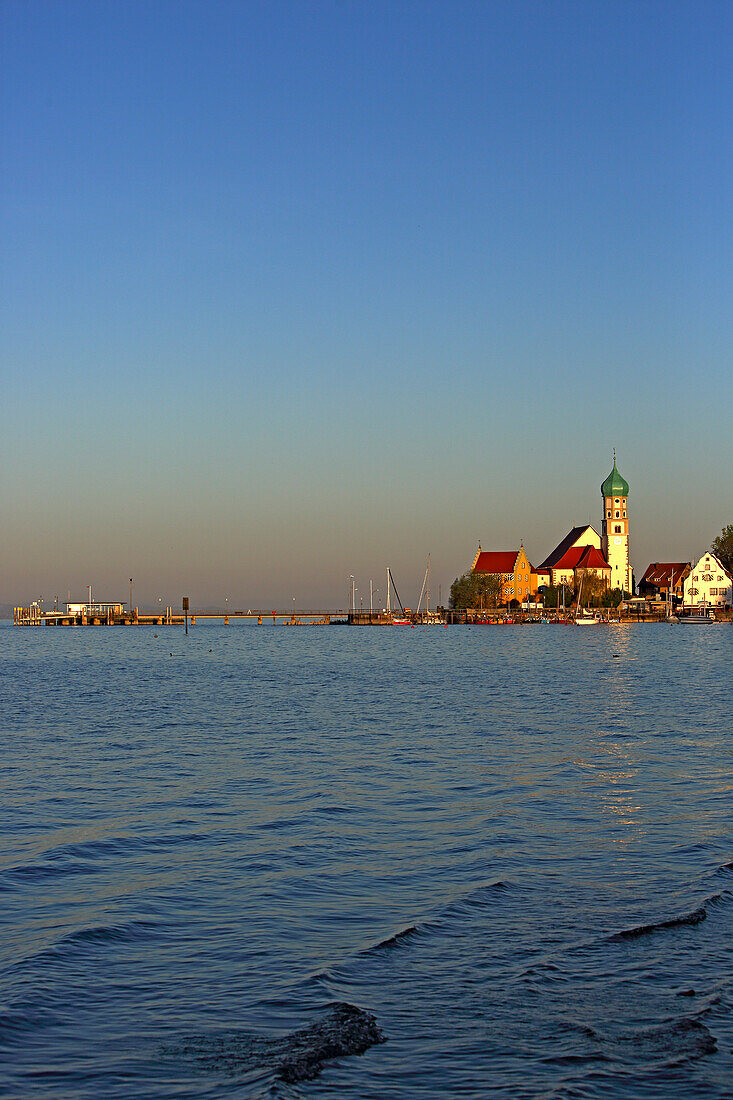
(475, 590)
(722, 547)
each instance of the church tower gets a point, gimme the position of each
(615, 493)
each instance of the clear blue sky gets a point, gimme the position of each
(292, 291)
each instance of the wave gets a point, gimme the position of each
(687, 919)
(480, 896)
(680, 1038)
(32, 873)
(395, 939)
(87, 858)
(82, 939)
(696, 916)
(110, 933)
(18, 1019)
(474, 899)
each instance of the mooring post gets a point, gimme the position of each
(185, 611)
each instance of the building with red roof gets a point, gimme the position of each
(663, 575)
(517, 577)
(579, 552)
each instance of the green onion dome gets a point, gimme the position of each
(614, 485)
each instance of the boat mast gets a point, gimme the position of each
(428, 591)
(388, 590)
(397, 595)
(422, 590)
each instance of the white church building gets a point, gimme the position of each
(708, 583)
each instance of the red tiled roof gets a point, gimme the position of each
(552, 559)
(582, 557)
(660, 572)
(496, 561)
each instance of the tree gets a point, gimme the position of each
(722, 547)
(554, 597)
(612, 597)
(474, 590)
(593, 590)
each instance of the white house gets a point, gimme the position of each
(708, 583)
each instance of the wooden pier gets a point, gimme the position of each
(118, 615)
(94, 616)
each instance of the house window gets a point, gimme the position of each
(608, 513)
(617, 528)
(617, 514)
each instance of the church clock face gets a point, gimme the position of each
(617, 540)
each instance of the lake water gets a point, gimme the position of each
(209, 841)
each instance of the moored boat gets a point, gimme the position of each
(585, 618)
(698, 617)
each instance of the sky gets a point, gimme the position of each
(291, 291)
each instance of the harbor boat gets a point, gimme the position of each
(393, 619)
(704, 617)
(584, 618)
(427, 617)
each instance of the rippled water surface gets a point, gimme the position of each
(512, 846)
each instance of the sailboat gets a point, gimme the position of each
(396, 620)
(584, 618)
(427, 617)
(670, 617)
(705, 615)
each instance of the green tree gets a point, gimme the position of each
(593, 589)
(722, 547)
(612, 597)
(552, 596)
(475, 590)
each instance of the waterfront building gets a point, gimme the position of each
(578, 552)
(517, 577)
(661, 576)
(96, 608)
(708, 583)
(615, 493)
